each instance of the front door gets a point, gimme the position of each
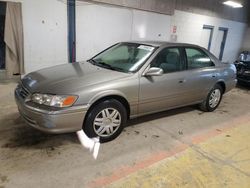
(158, 93)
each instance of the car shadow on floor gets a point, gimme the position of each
(22, 135)
(243, 86)
(29, 137)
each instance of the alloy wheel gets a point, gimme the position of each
(214, 98)
(107, 122)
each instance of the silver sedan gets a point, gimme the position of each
(127, 80)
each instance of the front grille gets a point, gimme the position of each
(247, 65)
(243, 68)
(23, 92)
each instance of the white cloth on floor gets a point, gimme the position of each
(93, 144)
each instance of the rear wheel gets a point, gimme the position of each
(105, 120)
(213, 99)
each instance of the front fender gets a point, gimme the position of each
(106, 94)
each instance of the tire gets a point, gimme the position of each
(210, 104)
(105, 120)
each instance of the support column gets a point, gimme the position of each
(71, 30)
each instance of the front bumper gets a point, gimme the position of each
(243, 73)
(59, 121)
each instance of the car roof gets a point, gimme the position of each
(163, 43)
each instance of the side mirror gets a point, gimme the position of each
(154, 71)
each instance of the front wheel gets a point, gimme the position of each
(105, 120)
(213, 99)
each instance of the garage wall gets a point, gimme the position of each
(189, 30)
(99, 26)
(246, 41)
(213, 8)
(159, 6)
(150, 26)
(45, 33)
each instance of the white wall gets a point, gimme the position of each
(189, 30)
(246, 41)
(99, 26)
(150, 26)
(45, 33)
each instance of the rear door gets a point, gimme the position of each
(200, 75)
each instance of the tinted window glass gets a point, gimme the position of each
(169, 60)
(197, 59)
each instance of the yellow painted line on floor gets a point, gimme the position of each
(221, 161)
(126, 176)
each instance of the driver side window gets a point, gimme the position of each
(169, 60)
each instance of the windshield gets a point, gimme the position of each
(125, 57)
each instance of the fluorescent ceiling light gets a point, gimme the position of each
(233, 4)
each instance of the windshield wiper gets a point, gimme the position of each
(92, 61)
(111, 67)
(105, 65)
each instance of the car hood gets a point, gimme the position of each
(69, 78)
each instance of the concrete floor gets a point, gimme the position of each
(183, 147)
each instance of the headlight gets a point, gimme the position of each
(54, 100)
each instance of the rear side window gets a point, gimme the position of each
(197, 59)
